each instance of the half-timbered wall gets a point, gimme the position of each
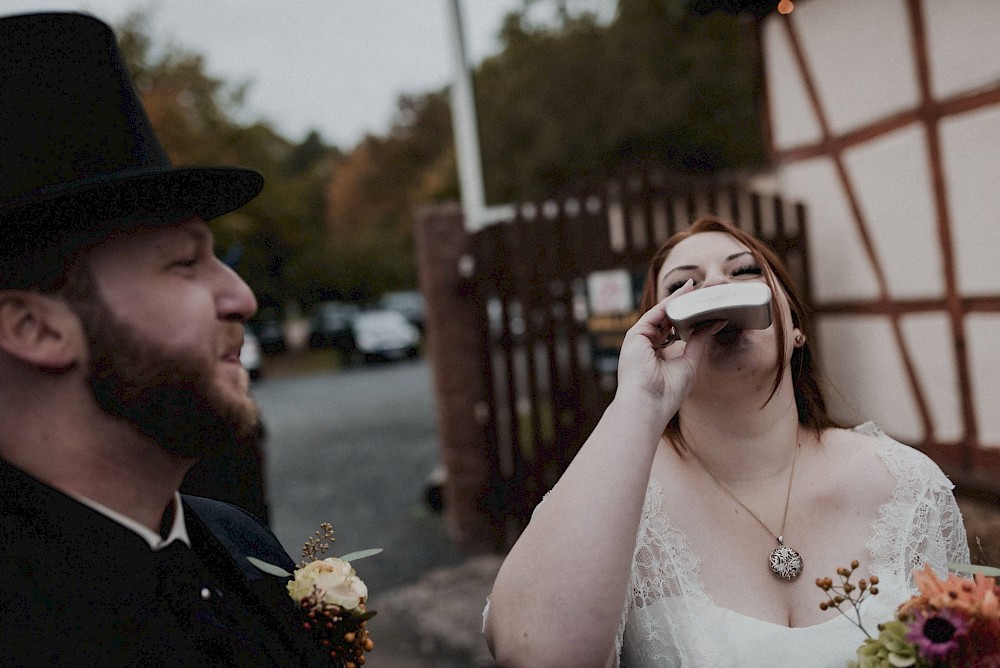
(884, 119)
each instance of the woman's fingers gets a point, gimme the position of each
(654, 324)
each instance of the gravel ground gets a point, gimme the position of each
(436, 622)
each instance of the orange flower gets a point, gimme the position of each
(979, 597)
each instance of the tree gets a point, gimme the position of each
(285, 250)
(374, 192)
(658, 85)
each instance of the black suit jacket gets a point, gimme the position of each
(77, 589)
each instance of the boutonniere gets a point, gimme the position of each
(332, 598)
(951, 622)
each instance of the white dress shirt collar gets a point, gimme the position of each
(178, 530)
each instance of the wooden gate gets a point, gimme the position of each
(548, 366)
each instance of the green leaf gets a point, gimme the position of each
(970, 569)
(361, 554)
(368, 614)
(270, 569)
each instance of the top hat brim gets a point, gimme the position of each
(142, 197)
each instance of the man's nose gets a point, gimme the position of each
(235, 299)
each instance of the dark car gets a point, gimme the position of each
(270, 331)
(330, 326)
(408, 302)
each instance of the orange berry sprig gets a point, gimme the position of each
(344, 635)
(848, 593)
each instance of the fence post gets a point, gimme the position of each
(456, 348)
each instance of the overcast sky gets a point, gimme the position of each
(334, 65)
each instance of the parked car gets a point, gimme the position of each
(330, 326)
(250, 354)
(382, 334)
(408, 302)
(270, 330)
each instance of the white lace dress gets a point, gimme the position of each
(669, 619)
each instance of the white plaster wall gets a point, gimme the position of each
(970, 146)
(867, 377)
(962, 41)
(793, 121)
(929, 340)
(862, 57)
(840, 267)
(891, 179)
(859, 53)
(982, 332)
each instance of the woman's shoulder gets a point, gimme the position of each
(869, 444)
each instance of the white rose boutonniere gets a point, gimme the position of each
(332, 599)
(331, 581)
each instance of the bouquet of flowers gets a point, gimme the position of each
(953, 622)
(332, 598)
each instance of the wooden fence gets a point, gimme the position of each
(525, 389)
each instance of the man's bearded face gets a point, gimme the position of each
(171, 398)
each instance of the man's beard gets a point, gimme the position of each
(168, 397)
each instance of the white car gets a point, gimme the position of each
(250, 354)
(384, 335)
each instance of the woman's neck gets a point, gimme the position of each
(741, 440)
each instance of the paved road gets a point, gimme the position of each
(354, 448)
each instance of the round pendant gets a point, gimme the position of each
(786, 563)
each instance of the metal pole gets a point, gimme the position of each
(466, 131)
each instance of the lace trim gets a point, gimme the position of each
(663, 565)
(922, 524)
(666, 544)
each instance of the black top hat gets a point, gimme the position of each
(78, 156)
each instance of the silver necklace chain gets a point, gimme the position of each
(786, 563)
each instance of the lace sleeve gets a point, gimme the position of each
(663, 616)
(923, 523)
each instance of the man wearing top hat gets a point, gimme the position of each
(120, 334)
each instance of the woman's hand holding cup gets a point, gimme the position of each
(649, 371)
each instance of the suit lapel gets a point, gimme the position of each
(226, 538)
(86, 585)
(74, 569)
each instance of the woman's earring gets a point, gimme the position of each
(799, 339)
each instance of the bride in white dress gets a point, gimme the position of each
(655, 547)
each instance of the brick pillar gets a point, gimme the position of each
(456, 348)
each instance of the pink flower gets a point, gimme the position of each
(936, 633)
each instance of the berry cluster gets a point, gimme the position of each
(342, 633)
(847, 592)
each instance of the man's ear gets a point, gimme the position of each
(40, 330)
